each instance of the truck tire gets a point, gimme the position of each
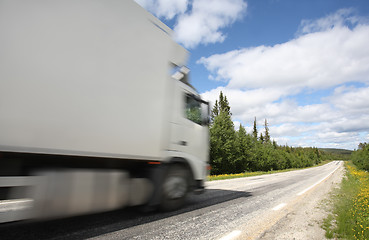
(175, 188)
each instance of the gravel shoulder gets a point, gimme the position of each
(304, 218)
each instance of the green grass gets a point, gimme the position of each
(251, 174)
(328, 226)
(349, 218)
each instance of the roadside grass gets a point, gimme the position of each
(349, 218)
(328, 226)
(258, 173)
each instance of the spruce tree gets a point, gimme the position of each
(262, 140)
(223, 104)
(222, 138)
(255, 130)
(267, 136)
(275, 144)
(242, 131)
(214, 111)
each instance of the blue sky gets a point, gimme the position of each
(302, 65)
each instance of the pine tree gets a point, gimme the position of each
(242, 130)
(275, 144)
(222, 138)
(267, 136)
(361, 146)
(262, 140)
(255, 131)
(220, 106)
(244, 150)
(214, 111)
(224, 104)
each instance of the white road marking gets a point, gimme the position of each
(280, 206)
(232, 235)
(307, 189)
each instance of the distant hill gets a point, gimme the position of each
(336, 151)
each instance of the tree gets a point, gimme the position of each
(224, 104)
(214, 111)
(245, 150)
(236, 151)
(222, 137)
(255, 130)
(220, 106)
(262, 138)
(360, 157)
(361, 146)
(275, 144)
(267, 136)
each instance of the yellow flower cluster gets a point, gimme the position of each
(360, 210)
(234, 175)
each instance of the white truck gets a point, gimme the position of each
(96, 111)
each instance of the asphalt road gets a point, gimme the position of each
(243, 207)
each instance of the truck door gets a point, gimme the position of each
(189, 133)
(195, 125)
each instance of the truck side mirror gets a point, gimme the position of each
(205, 117)
(205, 120)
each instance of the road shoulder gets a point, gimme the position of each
(303, 220)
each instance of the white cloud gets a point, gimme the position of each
(167, 9)
(197, 21)
(264, 82)
(315, 60)
(287, 129)
(204, 23)
(353, 106)
(236, 125)
(261, 103)
(242, 100)
(351, 124)
(351, 100)
(341, 18)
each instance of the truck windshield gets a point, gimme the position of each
(196, 110)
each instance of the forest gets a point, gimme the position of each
(360, 157)
(234, 151)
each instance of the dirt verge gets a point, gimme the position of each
(305, 218)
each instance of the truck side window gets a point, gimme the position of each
(193, 109)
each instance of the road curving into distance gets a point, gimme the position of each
(229, 209)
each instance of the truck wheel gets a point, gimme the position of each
(175, 188)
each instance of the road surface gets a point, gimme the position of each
(236, 208)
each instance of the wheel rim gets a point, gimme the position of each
(175, 187)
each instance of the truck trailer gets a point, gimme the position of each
(96, 110)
